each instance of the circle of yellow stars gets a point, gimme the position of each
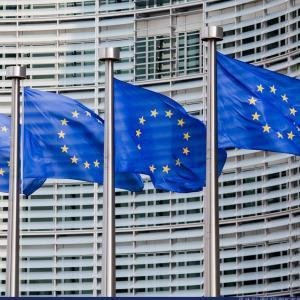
(74, 160)
(266, 128)
(4, 130)
(142, 120)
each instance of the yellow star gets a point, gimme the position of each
(166, 169)
(284, 98)
(138, 133)
(169, 114)
(139, 147)
(279, 135)
(178, 162)
(290, 135)
(61, 134)
(88, 114)
(185, 150)
(252, 101)
(64, 148)
(272, 89)
(64, 122)
(86, 165)
(154, 113)
(255, 116)
(152, 168)
(180, 122)
(74, 159)
(4, 129)
(260, 88)
(266, 128)
(96, 163)
(75, 114)
(2, 172)
(142, 120)
(293, 111)
(186, 136)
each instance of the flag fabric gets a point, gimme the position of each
(160, 139)
(257, 108)
(66, 140)
(30, 184)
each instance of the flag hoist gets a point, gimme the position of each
(15, 73)
(211, 35)
(108, 280)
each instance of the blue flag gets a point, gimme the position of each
(160, 139)
(257, 109)
(66, 141)
(29, 185)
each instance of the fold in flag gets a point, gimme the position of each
(30, 185)
(257, 108)
(160, 139)
(66, 141)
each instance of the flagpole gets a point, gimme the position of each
(15, 73)
(108, 280)
(211, 35)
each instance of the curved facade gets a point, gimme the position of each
(159, 234)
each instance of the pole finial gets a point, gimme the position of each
(212, 33)
(16, 72)
(109, 53)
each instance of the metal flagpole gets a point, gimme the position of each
(15, 73)
(109, 55)
(211, 35)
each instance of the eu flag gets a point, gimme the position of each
(160, 139)
(257, 108)
(66, 141)
(29, 185)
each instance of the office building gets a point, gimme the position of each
(159, 234)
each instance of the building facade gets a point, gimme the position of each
(159, 234)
